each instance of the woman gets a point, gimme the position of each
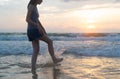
(36, 32)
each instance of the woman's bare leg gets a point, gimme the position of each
(46, 39)
(35, 45)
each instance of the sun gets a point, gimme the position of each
(91, 27)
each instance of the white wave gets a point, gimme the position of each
(85, 46)
(64, 36)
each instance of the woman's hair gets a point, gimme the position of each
(32, 2)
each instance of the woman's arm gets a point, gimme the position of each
(28, 19)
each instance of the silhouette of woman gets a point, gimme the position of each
(36, 32)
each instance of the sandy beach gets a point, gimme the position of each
(71, 68)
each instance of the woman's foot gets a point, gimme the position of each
(57, 60)
(35, 76)
(33, 71)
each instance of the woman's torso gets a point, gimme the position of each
(34, 17)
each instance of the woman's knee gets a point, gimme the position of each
(47, 40)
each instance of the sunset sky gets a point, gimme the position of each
(63, 16)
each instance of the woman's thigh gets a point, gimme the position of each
(46, 39)
(35, 45)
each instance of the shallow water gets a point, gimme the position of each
(92, 67)
(84, 58)
(80, 67)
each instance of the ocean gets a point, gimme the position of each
(86, 56)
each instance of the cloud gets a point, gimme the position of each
(91, 0)
(66, 6)
(73, 0)
(12, 5)
(110, 5)
(89, 4)
(4, 2)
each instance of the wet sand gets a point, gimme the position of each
(72, 67)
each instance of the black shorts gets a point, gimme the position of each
(33, 34)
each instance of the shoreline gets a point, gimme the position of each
(73, 67)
